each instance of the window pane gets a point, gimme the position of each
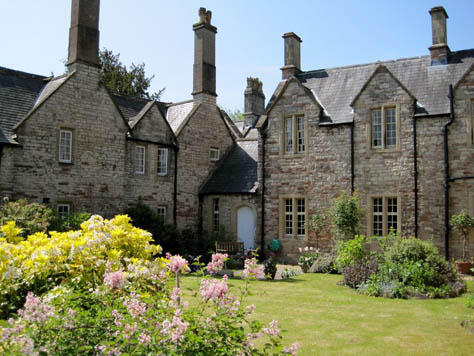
(289, 134)
(140, 159)
(162, 161)
(63, 211)
(288, 216)
(376, 128)
(215, 215)
(392, 214)
(214, 154)
(390, 127)
(65, 146)
(301, 216)
(377, 228)
(300, 122)
(162, 212)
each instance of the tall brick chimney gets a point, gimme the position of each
(439, 50)
(292, 55)
(254, 101)
(204, 77)
(84, 32)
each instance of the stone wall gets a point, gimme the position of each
(205, 129)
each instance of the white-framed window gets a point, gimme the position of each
(293, 216)
(384, 130)
(385, 215)
(65, 146)
(140, 159)
(294, 134)
(64, 210)
(161, 210)
(162, 164)
(214, 154)
(215, 215)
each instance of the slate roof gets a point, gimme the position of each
(177, 113)
(129, 106)
(18, 92)
(335, 88)
(237, 173)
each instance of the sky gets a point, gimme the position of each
(34, 37)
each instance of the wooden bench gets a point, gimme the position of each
(232, 248)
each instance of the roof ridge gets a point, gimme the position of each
(19, 72)
(180, 102)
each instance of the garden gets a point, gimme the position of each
(93, 286)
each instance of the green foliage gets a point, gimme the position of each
(346, 215)
(29, 217)
(410, 267)
(316, 223)
(463, 223)
(351, 251)
(119, 79)
(307, 257)
(470, 301)
(235, 115)
(73, 222)
(270, 267)
(325, 263)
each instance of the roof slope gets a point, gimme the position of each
(177, 114)
(237, 173)
(337, 87)
(18, 93)
(129, 106)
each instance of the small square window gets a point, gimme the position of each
(162, 165)
(65, 146)
(214, 154)
(64, 210)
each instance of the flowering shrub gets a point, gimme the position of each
(307, 257)
(127, 306)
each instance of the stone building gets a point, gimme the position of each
(392, 131)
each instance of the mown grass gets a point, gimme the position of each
(329, 319)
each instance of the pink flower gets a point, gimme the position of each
(273, 329)
(292, 350)
(176, 263)
(252, 268)
(114, 280)
(213, 289)
(134, 306)
(217, 263)
(144, 338)
(35, 310)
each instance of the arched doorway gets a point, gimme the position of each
(246, 227)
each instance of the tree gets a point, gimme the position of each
(120, 80)
(463, 223)
(346, 215)
(235, 115)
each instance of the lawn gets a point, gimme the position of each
(328, 319)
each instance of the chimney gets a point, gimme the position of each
(254, 101)
(292, 55)
(84, 32)
(439, 50)
(204, 81)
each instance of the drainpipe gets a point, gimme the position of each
(446, 171)
(262, 214)
(175, 191)
(352, 159)
(415, 170)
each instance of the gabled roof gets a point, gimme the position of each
(179, 113)
(18, 92)
(237, 173)
(231, 127)
(129, 106)
(336, 88)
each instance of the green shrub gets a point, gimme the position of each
(29, 217)
(325, 263)
(463, 223)
(73, 222)
(346, 215)
(351, 251)
(410, 267)
(270, 267)
(360, 271)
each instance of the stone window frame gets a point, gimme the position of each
(370, 213)
(162, 169)
(295, 152)
(215, 214)
(282, 216)
(216, 152)
(382, 108)
(71, 149)
(470, 122)
(67, 205)
(162, 212)
(143, 171)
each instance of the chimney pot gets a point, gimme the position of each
(292, 55)
(439, 50)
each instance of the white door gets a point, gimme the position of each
(246, 227)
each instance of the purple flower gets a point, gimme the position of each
(114, 280)
(217, 263)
